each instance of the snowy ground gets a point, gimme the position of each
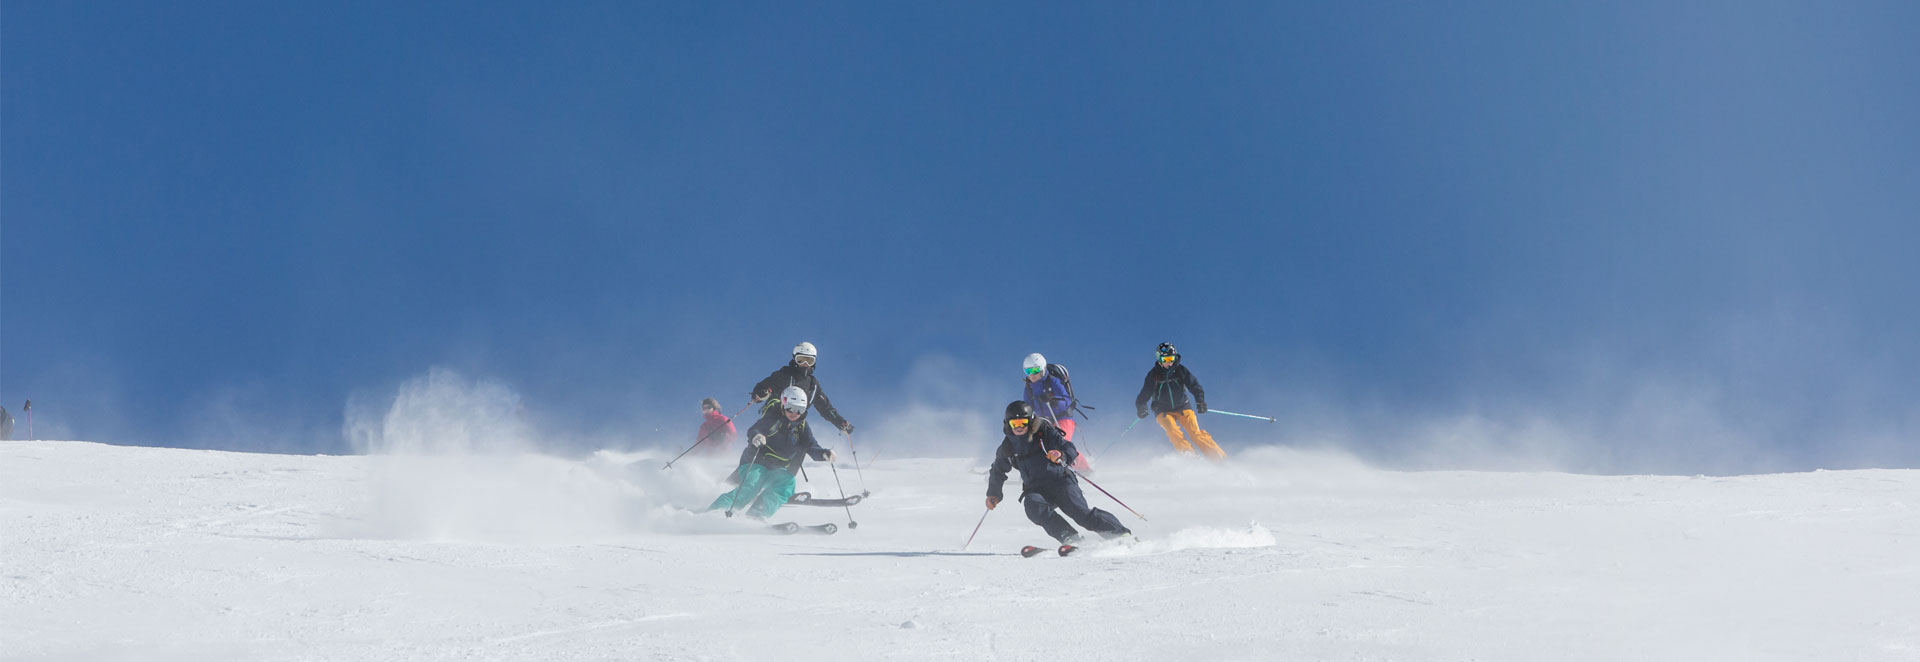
(152, 554)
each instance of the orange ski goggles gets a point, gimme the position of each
(1018, 422)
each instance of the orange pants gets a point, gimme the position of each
(1172, 423)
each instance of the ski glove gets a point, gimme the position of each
(829, 455)
(762, 395)
(1144, 413)
(759, 440)
(1200, 407)
(1054, 456)
(846, 427)
(992, 501)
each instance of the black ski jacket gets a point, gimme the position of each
(1036, 471)
(787, 441)
(793, 374)
(1167, 389)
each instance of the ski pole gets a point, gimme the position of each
(1110, 495)
(696, 442)
(1123, 435)
(743, 480)
(976, 529)
(843, 496)
(1263, 418)
(29, 409)
(856, 465)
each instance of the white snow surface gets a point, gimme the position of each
(127, 553)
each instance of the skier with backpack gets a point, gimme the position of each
(798, 372)
(1049, 390)
(1166, 388)
(777, 445)
(1042, 455)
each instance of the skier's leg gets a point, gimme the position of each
(750, 477)
(779, 488)
(1073, 502)
(1040, 511)
(1199, 436)
(1173, 433)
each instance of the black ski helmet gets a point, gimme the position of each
(1166, 349)
(1018, 409)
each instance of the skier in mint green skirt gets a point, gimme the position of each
(777, 444)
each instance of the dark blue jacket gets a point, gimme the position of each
(787, 441)
(1167, 389)
(1049, 398)
(1036, 471)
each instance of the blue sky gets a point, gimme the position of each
(1645, 224)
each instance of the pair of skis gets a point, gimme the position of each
(806, 499)
(1031, 551)
(790, 528)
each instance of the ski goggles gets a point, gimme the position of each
(792, 409)
(1035, 370)
(1166, 360)
(803, 360)
(1018, 422)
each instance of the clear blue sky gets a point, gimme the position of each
(1370, 216)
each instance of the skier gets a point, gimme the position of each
(776, 446)
(1042, 455)
(1166, 387)
(717, 432)
(1052, 400)
(799, 372)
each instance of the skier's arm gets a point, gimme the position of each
(1068, 453)
(1059, 401)
(765, 387)
(1199, 396)
(812, 446)
(825, 406)
(1146, 391)
(997, 474)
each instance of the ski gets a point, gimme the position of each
(804, 499)
(790, 528)
(1030, 551)
(1067, 549)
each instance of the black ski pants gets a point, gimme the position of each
(1068, 499)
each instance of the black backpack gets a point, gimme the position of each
(1060, 372)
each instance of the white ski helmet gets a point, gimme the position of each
(806, 349)
(794, 399)
(1034, 360)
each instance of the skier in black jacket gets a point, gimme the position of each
(1166, 388)
(1042, 455)
(799, 372)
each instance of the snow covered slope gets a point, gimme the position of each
(111, 553)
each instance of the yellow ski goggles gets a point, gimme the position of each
(1018, 422)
